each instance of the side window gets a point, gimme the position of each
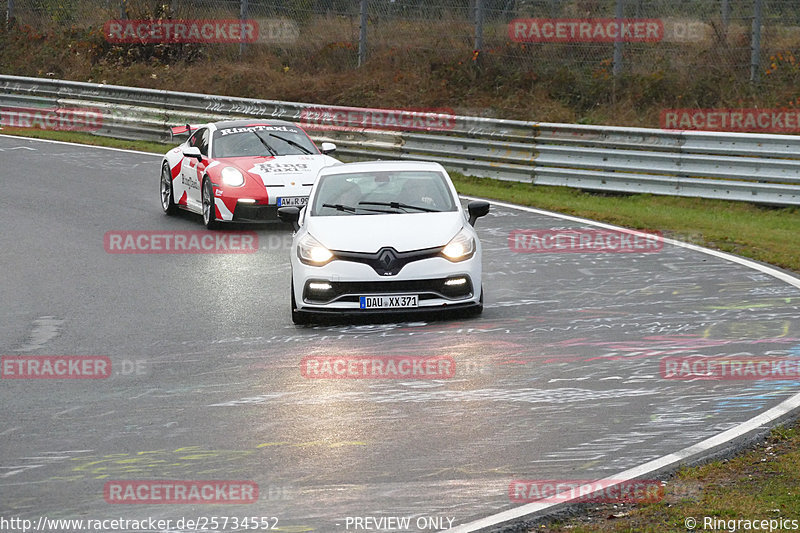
(203, 141)
(200, 140)
(195, 138)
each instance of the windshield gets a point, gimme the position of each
(371, 193)
(264, 140)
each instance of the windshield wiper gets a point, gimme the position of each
(340, 207)
(293, 143)
(269, 148)
(399, 205)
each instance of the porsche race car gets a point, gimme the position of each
(241, 171)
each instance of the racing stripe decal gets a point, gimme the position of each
(177, 169)
(223, 211)
(182, 201)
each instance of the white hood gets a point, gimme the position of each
(288, 170)
(370, 233)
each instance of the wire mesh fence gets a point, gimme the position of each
(744, 39)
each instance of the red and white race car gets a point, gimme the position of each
(241, 170)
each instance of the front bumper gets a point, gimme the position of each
(345, 282)
(230, 208)
(428, 290)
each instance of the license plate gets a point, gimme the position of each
(399, 301)
(290, 201)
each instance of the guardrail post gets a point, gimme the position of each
(755, 42)
(618, 41)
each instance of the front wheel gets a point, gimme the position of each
(167, 195)
(298, 317)
(209, 211)
(478, 309)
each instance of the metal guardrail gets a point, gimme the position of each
(733, 166)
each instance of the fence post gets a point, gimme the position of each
(243, 15)
(10, 14)
(478, 29)
(362, 34)
(726, 13)
(755, 43)
(618, 41)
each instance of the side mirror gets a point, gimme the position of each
(290, 215)
(193, 151)
(477, 209)
(327, 148)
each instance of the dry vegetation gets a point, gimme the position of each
(420, 63)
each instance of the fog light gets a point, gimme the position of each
(319, 286)
(454, 282)
(246, 201)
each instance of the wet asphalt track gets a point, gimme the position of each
(559, 379)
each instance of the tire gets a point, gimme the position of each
(478, 309)
(209, 212)
(167, 194)
(298, 317)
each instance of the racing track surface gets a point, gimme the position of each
(559, 378)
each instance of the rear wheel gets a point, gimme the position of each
(209, 211)
(167, 195)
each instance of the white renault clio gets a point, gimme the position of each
(384, 237)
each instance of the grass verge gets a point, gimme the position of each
(766, 234)
(761, 484)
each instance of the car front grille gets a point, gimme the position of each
(349, 291)
(255, 213)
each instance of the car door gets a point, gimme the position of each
(192, 169)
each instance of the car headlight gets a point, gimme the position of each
(460, 247)
(311, 252)
(232, 177)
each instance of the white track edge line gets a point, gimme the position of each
(671, 460)
(52, 141)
